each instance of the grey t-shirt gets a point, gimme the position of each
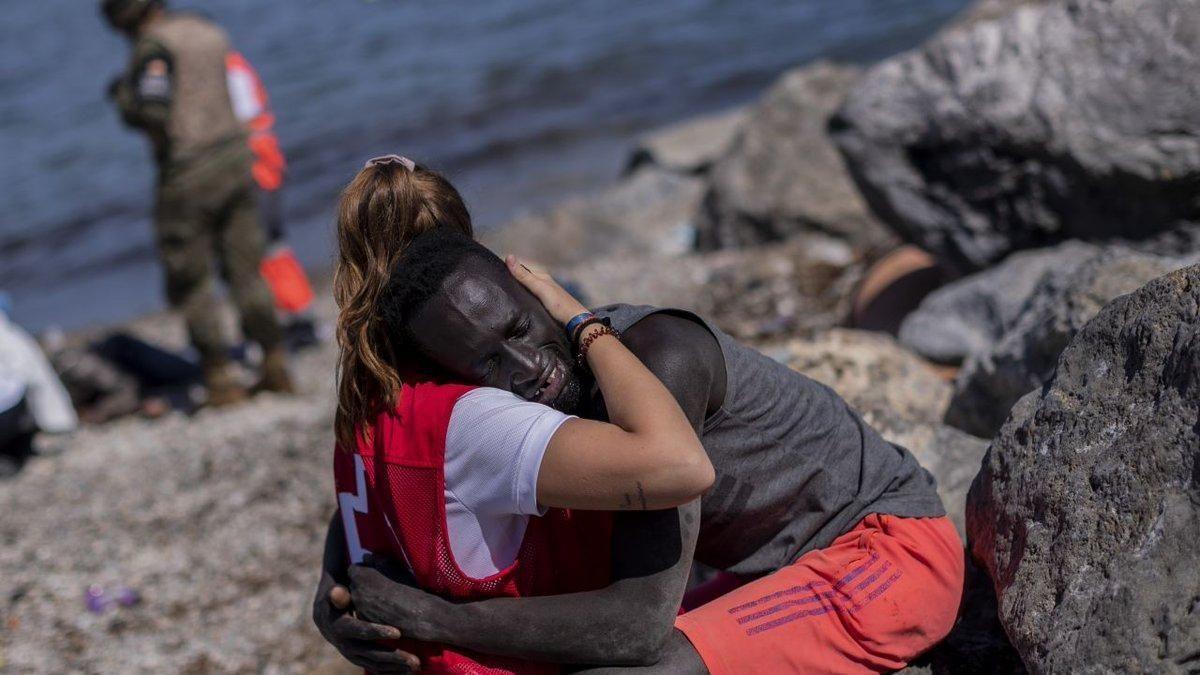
(796, 467)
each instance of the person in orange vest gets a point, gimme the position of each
(174, 91)
(283, 273)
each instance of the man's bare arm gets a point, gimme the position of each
(625, 623)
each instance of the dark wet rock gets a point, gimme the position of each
(1086, 512)
(899, 395)
(970, 315)
(1075, 119)
(690, 147)
(649, 211)
(782, 174)
(992, 380)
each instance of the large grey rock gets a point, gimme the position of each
(1075, 119)
(689, 147)
(969, 315)
(993, 380)
(900, 396)
(782, 173)
(1086, 513)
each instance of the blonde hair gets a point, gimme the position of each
(380, 212)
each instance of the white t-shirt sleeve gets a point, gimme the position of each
(494, 449)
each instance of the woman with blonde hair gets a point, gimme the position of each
(475, 479)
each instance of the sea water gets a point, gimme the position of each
(521, 102)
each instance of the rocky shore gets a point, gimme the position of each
(1045, 156)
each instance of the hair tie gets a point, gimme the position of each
(391, 159)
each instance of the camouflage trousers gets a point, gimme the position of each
(206, 219)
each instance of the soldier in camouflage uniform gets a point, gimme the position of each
(175, 91)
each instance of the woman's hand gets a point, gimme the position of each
(561, 305)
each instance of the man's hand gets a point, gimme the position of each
(357, 640)
(381, 596)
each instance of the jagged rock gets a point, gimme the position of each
(1075, 119)
(771, 291)
(782, 174)
(795, 288)
(647, 211)
(900, 396)
(1086, 513)
(993, 380)
(969, 315)
(879, 378)
(690, 147)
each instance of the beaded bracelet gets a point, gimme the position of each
(586, 344)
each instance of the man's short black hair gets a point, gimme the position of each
(419, 274)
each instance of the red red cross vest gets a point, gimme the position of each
(391, 495)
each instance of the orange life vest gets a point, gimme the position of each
(253, 109)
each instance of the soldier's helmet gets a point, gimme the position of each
(126, 14)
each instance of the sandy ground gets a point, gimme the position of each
(215, 520)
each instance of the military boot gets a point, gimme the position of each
(223, 386)
(275, 377)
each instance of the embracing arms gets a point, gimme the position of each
(625, 623)
(357, 640)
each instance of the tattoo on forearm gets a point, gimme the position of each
(628, 504)
(641, 495)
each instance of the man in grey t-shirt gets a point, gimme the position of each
(818, 523)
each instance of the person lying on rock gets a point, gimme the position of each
(835, 546)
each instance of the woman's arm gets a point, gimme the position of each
(647, 456)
